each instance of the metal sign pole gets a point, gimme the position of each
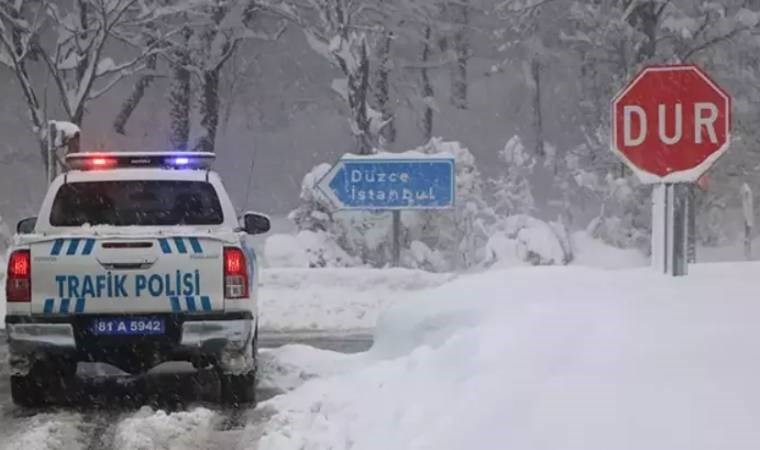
(396, 238)
(680, 229)
(659, 227)
(691, 205)
(748, 208)
(675, 229)
(51, 160)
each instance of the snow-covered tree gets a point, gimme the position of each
(512, 190)
(74, 44)
(456, 42)
(337, 30)
(210, 32)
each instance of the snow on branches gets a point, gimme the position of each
(78, 59)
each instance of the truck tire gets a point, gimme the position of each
(241, 389)
(238, 390)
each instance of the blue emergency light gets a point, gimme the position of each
(119, 160)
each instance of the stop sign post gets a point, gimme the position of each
(670, 124)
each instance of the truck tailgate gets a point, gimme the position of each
(127, 275)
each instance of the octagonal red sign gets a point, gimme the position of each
(671, 123)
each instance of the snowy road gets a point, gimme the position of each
(161, 410)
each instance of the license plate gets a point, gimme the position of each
(128, 326)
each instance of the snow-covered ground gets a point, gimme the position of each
(531, 358)
(541, 358)
(336, 299)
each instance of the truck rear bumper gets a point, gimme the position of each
(224, 340)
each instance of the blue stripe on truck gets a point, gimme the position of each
(195, 245)
(175, 304)
(190, 303)
(88, 245)
(57, 246)
(73, 244)
(180, 245)
(48, 308)
(65, 305)
(79, 308)
(206, 303)
(165, 246)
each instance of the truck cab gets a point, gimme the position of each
(134, 259)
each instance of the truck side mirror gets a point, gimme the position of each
(255, 223)
(26, 226)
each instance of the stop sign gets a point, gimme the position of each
(671, 123)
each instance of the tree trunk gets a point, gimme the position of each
(77, 115)
(134, 99)
(358, 90)
(427, 89)
(538, 125)
(179, 98)
(382, 91)
(644, 18)
(461, 48)
(209, 110)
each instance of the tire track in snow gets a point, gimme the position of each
(103, 428)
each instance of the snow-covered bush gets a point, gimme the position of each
(306, 249)
(625, 216)
(362, 236)
(614, 206)
(420, 256)
(314, 213)
(521, 238)
(459, 234)
(511, 191)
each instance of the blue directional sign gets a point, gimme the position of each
(390, 184)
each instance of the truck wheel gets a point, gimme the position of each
(238, 389)
(241, 389)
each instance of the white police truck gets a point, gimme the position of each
(135, 259)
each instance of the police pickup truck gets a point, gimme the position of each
(135, 259)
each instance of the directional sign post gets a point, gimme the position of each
(670, 125)
(383, 183)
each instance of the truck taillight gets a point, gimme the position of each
(235, 273)
(18, 284)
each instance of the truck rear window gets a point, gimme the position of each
(136, 202)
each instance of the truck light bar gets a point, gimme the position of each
(166, 160)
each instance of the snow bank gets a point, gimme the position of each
(548, 358)
(288, 367)
(335, 299)
(148, 429)
(595, 253)
(48, 432)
